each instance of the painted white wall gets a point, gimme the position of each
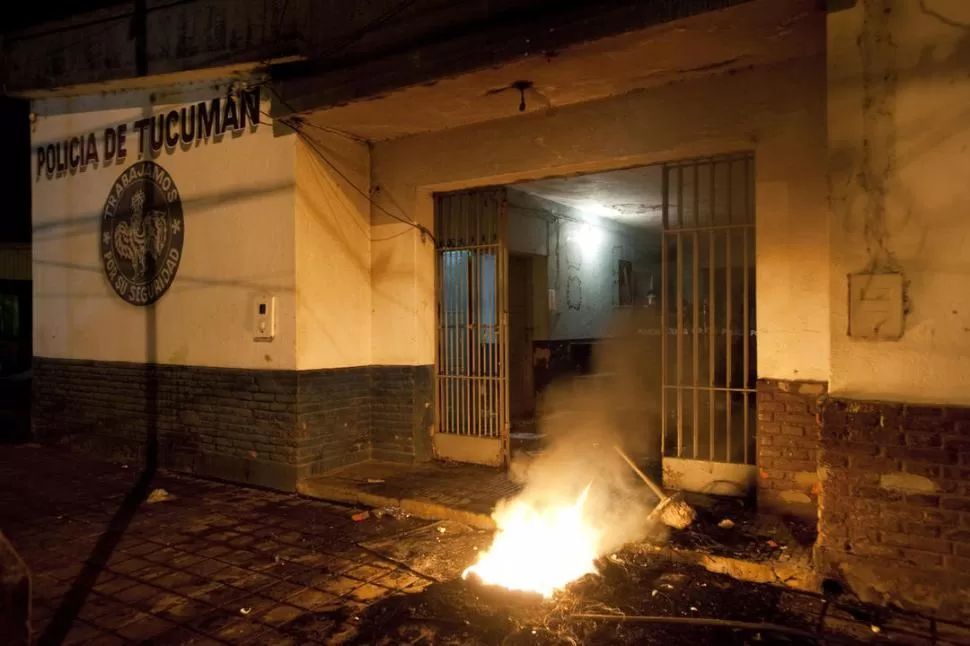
(778, 112)
(898, 138)
(333, 321)
(238, 204)
(528, 225)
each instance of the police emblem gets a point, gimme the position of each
(142, 231)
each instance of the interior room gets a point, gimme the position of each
(584, 268)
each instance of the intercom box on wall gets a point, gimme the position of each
(265, 318)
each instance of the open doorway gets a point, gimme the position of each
(522, 315)
(594, 242)
(623, 298)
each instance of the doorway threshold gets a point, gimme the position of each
(437, 490)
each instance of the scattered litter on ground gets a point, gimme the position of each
(441, 529)
(393, 512)
(360, 515)
(727, 523)
(621, 605)
(159, 495)
(751, 537)
(245, 611)
(375, 481)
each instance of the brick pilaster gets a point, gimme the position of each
(895, 504)
(788, 444)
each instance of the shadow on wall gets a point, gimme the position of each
(152, 428)
(161, 422)
(81, 225)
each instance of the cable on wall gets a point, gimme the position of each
(297, 126)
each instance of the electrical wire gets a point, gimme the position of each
(296, 128)
(419, 227)
(702, 621)
(309, 140)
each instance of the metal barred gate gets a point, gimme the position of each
(708, 325)
(472, 327)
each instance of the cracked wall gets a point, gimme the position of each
(898, 134)
(893, 508)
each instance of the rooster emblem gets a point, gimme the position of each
(145, 235)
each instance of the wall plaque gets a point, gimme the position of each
(142, 231)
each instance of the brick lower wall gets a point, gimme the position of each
(403, 410)
(263, 427)
(788, 446)
(233, 424)
(894, 520)
(333, 417)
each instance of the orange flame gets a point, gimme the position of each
(539, 550)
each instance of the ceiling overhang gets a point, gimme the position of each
(749, 34)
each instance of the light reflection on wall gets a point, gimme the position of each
(588, 238)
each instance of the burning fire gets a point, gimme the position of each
(539, 550)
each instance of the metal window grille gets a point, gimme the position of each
(708, 310)
(472, 343)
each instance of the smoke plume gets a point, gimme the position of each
(583, 417)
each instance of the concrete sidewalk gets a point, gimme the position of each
(431, 490)
(756, 548)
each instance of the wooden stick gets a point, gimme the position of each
(650, 483)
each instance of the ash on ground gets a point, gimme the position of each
(454, 611)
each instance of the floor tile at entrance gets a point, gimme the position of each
(442, 486)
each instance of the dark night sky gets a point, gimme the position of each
(15, 171)
(15, 151)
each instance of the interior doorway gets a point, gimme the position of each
(522, 396)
